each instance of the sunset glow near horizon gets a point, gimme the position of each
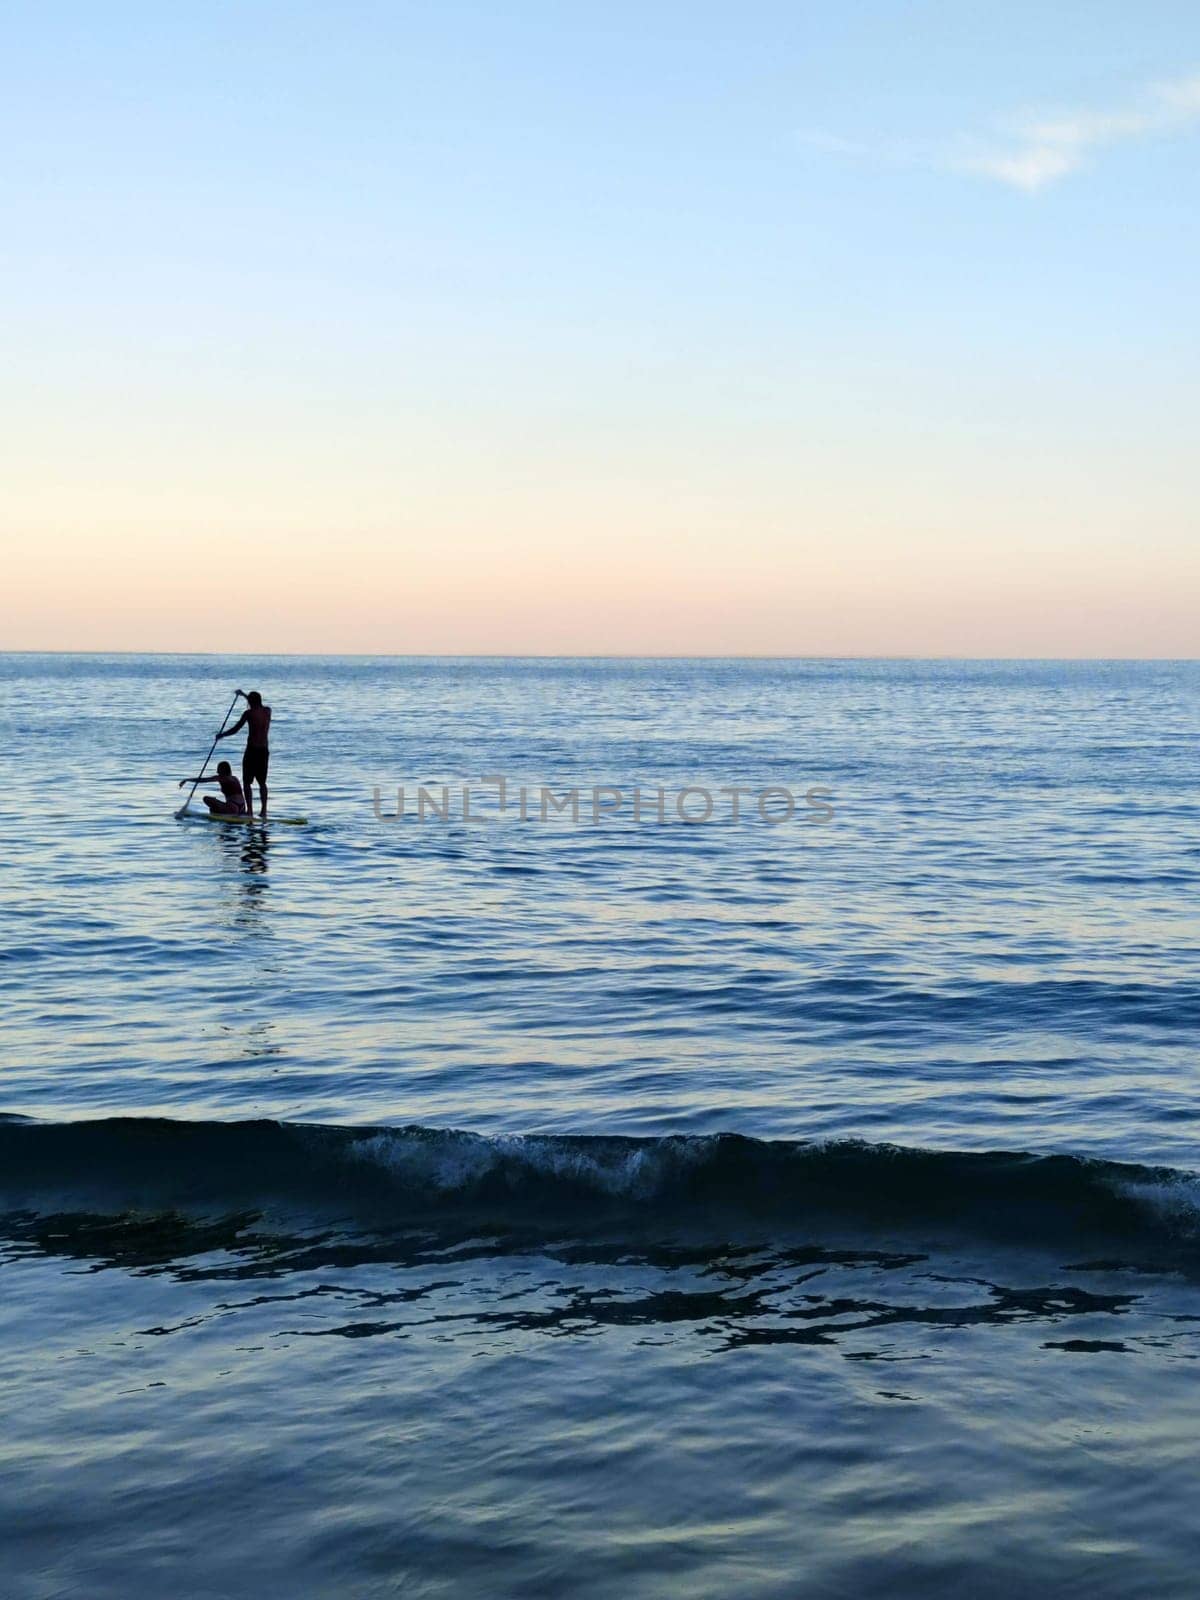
(668, 329)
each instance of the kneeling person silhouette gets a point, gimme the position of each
(232, 802)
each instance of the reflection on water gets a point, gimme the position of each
(470, 1413)
(227, 1407)
(254, 849)
(245, 850)
(726, 1296)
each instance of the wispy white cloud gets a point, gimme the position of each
(1032, 152)
(1039, 151)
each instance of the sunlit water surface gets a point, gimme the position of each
(505, 1294)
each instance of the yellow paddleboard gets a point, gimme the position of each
(219, 816)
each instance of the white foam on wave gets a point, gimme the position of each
(450, 1162)
(1171, 1200)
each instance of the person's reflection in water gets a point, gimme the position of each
(248, 846)
(254, 856)
(254, 882)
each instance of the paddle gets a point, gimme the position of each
(182, 812)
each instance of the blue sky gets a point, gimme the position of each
(806, 328)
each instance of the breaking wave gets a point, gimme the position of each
(416, 1174)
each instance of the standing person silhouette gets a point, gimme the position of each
(256, 719)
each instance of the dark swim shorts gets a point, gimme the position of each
(254, 765)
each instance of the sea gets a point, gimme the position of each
(759, 1159)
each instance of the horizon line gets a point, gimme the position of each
(539, 655)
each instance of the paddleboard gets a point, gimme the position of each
(218, 816)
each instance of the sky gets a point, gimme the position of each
(566, 328)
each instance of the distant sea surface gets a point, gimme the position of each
(523, 1206)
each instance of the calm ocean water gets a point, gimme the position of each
(539, 1207)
